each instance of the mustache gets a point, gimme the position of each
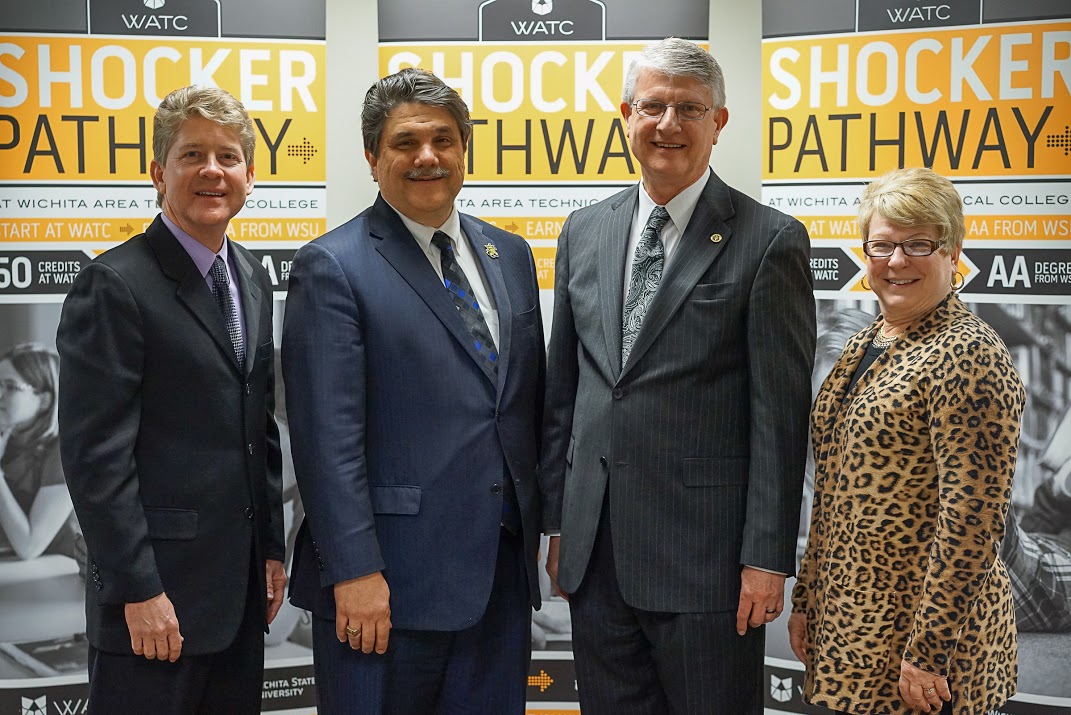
(437, 172)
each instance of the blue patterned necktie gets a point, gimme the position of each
(221, 291)
(646, 274)
(467, 306)
(469, 310)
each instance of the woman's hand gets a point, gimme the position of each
(921, 690)
(797, 635)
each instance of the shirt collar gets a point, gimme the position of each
(202, 256)
(423, 234)
(680, 208)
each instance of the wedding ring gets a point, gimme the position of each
(931, 691)
(352, 631)
(771, 610)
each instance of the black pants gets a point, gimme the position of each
(230, 681)
(635, 662)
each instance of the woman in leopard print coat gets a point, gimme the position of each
(902, 602)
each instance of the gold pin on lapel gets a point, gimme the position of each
(715, 237)
(492, 252)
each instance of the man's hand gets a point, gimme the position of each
(797, 635)
(921, 690)
(275, 577)
(762, 597)
(154, 628)
(552, 565)
(362, 612)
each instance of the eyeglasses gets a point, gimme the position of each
(8, 387)
(692, 111)
(915, 247)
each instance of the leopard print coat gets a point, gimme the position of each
(913, 476)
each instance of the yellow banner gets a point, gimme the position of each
(78, 108)
(541, 112)
(978, 101)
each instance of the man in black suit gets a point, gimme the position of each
(676, 424)
(167, 433)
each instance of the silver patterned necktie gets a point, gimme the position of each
(221, 291)
(646, 274)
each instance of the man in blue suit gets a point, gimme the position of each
(414, 365)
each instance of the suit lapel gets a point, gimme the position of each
(251, 297)
(401, 250)
(693, 256)
(611, 247)
(192, 291)
(493, 272)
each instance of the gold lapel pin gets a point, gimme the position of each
(492, 252)
(715, 237)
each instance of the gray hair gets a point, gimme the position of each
(677, 58)
(212, 103)
(411, 84)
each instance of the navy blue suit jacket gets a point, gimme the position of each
(400, 441)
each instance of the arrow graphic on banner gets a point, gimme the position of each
(541, 681)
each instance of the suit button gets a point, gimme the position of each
(618, 393)
(249, 512)
(602, 461)
(248, 389)
(100, 586)
(496, 488)
(250, 447)
(498, 417)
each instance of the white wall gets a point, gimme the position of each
(353, 65)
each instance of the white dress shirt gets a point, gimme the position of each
(466, 260)
(680, 210)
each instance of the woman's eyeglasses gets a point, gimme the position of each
(8, 387)
(915, 247)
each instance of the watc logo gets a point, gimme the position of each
(153, 4)
(32, 706)
(780, 689)
(542, 7)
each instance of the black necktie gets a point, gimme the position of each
(221, 291)
(467, 306)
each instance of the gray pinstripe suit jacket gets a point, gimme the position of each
(701, 437)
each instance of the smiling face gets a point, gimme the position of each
(205, 180)
(672, 153)
(421, 163)
(908, 287)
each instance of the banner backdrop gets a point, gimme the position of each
(79, 83)
(543, 80)
(980, 92)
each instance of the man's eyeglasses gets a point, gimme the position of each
(915, 247)
(691, 111)
(8, 387)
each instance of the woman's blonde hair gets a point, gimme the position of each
(915, 197)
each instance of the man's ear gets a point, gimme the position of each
(373, 161)
(156, 173)
(721, 118)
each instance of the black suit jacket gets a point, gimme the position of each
(701, 437)
(170, 451)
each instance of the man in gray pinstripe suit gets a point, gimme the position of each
(676, 424)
